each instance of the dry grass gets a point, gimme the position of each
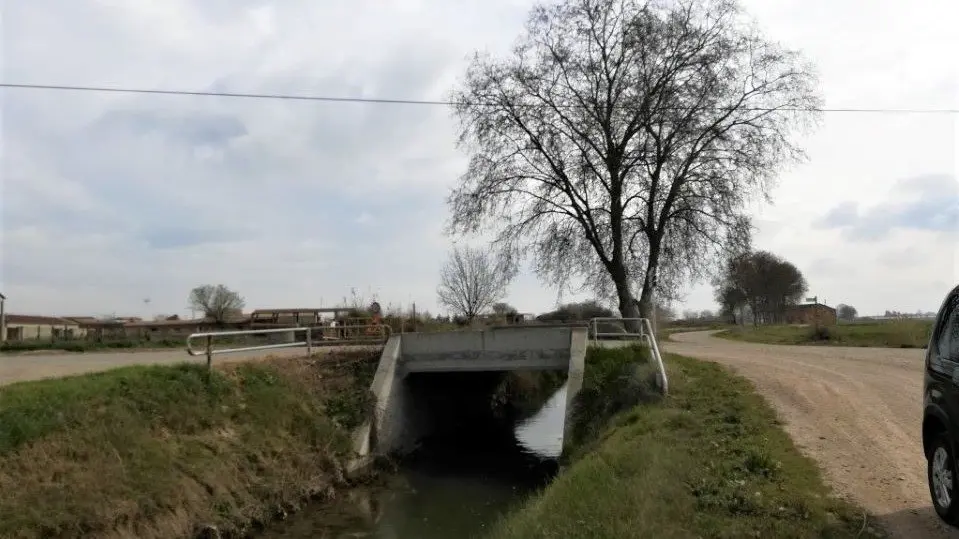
(153, 452)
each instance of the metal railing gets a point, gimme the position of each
(338, 335)
(646, 335)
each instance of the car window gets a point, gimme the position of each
(947, 346)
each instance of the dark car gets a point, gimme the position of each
(940, 420)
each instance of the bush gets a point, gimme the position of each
(820, 334)
(615, 380)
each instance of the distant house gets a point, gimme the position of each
(811, 313)
(175, 327)
(3, 317)
(25, 327)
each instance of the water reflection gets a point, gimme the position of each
(455, 487)
(543, 433)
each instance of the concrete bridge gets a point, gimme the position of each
(397, 422)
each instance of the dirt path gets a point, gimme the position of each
(857, 411)
(18, 368)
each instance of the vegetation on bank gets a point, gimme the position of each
(708, 461)
(155, 452)
(891, 334)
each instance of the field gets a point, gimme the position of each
(709, 461)
(885, 334)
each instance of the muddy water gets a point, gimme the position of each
(454, 487)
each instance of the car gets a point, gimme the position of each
(940, 421)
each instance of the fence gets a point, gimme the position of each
(339, 335)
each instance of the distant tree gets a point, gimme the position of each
(581, 311)
(216, 302)
(689, 314)
(665, 313)
(471, 281)
(761, 281)
(620, 141)
(706, 314)
(504, 309)
(846, 312)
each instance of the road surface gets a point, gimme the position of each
(21, 367)
(857, 411)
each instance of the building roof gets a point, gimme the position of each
(811, 306)
(309, 310)
(38, 320)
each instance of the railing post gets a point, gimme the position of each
(309, 342)
(209, 352)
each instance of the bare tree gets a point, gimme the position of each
(846, 312)
(471, 281)
(623, 137)
(216, 302)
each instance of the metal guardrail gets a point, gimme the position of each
(646, 335)
(342, 335)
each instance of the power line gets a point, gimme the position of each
(389, 101)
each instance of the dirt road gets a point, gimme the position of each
(857, 411)
(18, 368)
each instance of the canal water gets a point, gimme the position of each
(454, 487)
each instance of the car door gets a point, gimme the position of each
(942, 358)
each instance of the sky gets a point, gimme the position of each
(118, 203)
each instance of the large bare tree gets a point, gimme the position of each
(622, 137)
(472, 281)
(216, 302)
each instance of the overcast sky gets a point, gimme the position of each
(111, 199)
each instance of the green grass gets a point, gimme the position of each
(709, 461)
(154, 451)
(892, 334)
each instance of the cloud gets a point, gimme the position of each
(929, 203)
(111, 198)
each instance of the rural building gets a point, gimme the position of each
(25, 327)
(176, 328)
(3, 318)
(811, 313)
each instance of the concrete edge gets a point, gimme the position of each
(578, 342)
(381, 387)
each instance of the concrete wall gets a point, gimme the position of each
(32, 332)
(395, 427)
(498, 349)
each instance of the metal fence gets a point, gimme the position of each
(312, 337)
(645, 334)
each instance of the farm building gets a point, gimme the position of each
(175, 327)
(811, 313)
(25, 327)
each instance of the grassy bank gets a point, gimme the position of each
(892, 334)
(708, 461)
(154, 452)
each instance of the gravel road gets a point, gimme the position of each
(18, 368)
(857, 411)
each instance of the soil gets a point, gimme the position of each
(856, 411)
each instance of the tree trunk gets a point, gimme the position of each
(627, 303)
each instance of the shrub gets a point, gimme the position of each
(820, 333)
(615, 380)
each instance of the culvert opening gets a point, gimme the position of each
(504, 426)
